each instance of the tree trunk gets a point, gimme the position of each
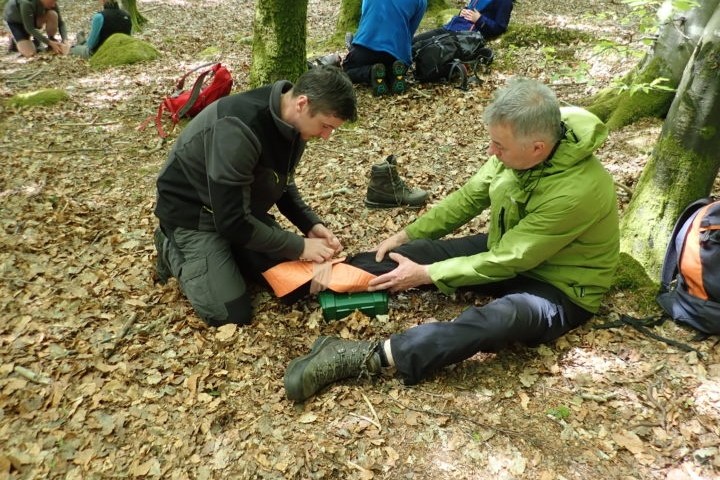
(685, 162)
(136, 17)
(673, 47)
(279, 37)
(349, 17)
(436, 5)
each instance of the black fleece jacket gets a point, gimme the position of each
(229, 166)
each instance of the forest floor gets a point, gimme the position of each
(105, 374)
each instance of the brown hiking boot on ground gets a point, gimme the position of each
(330, 359)
(387, 190)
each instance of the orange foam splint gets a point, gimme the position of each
(333, 275)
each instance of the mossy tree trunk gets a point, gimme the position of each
(436, 5)
(685, 162)
(136, 17)
(675, 43)
(279, 35)
(349, 17)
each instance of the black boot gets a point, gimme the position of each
(331, 359)
(387, 190)
(162, 269)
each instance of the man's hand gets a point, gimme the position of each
(390, 243)
(321, 231)
(407, 274)
(317, 250)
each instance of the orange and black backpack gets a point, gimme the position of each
(690, 282)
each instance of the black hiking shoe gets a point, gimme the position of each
(387, 190)
(330, 359)
(377, 80)
(162, 269)
(332, 59)
(399, 69)
(12, 47)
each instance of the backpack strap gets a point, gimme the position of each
(642, 325)
(158, 121)
(181, 82)
(458, 66)
(670, 263)
(195, 92)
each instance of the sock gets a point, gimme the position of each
(381, 352)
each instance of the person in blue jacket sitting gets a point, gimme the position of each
(489, 17)
(382, 44)
(111, 19)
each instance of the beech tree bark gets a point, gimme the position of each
(678, 36)
(685, 162)
(136, 17)
(279, 35)
(349, 17)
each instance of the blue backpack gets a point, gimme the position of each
(690, 282)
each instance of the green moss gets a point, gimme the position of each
(121, 49)
(244, 39)
(49, 96)
(209, 53)
(438, 13)
(708, 132)
(630, 275)
(522, 35)
(604, 106)
(678, 158)
(633, 282)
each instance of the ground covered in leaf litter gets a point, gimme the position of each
(105, 374)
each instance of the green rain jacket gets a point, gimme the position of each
(556, 222)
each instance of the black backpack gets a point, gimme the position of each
(442, 57)
(690, 282)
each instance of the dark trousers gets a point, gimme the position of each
(213, 274)
(525, 311)
(429, 34)
(359, 61)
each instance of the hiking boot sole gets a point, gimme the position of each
(294, 388)
(370, 204)
(377, 80)
(399, 70)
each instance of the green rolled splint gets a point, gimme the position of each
(339, 305)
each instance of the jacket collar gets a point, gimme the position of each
(278, 88)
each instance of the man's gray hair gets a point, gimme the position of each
(529, 107)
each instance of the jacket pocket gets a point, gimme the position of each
(193, 279)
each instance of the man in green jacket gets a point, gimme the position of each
(548, 257)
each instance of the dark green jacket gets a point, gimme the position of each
(230, 165)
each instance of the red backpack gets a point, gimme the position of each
(188, 103)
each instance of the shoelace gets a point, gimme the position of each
(398, 183)
(346, 364)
